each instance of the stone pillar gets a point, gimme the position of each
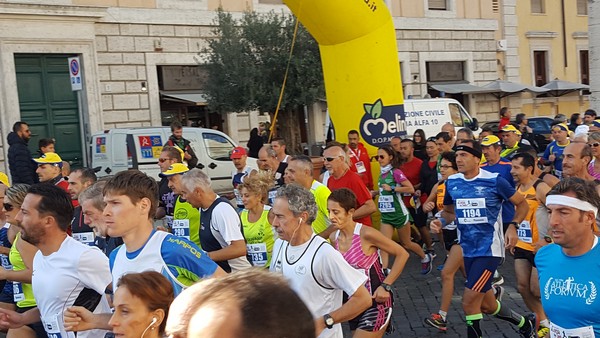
(594, 41)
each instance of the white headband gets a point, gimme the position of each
(571, 202)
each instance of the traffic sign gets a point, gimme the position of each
(75, 73)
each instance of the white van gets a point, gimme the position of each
(116, 150)
(431, 114)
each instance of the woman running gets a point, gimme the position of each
(257, 218)
(360, 246)
(394, 215)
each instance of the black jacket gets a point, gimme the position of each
(21, 164)
(184, 145)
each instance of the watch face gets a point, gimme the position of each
(329, 321)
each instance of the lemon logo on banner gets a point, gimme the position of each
(380, 123)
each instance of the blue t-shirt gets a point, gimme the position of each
(502, 168)
(569, 287)
(185, 261)
(557, 150)
(477, 205)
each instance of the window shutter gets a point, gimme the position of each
(438, 5)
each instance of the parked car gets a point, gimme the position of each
(541, 125)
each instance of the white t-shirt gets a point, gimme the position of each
(318, 274)
(225, 227)
(74, 275)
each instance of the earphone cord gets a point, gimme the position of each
(143, 333)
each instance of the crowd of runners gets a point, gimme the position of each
(288, 254)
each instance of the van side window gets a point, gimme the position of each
(457, 119)
(217, 146)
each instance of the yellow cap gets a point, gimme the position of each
(560, 126)
(4, 179)
(490, 140)
(49, 158)
(174, 169)
(510, 127)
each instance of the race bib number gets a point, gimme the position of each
(169, 221)
(238, 198)
(580, 332)
(52, 327)
(386, 203)
(86, 238)
(181, 228)
(257, 254)
(18, 294)
(471, 211)
(524, 232)
(360, 167)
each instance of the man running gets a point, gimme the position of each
(474, 199)
(569, 273)
(316, 271)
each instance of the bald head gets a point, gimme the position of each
(449, 128)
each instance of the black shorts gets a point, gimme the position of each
(6, 295)
(373, 319)
(450, 238)
(418, 216)
(525, 254)
(38, 327)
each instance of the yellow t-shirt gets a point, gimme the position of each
(321, 193)
(528, 232)
(259, 238)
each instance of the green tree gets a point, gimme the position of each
(246, 62)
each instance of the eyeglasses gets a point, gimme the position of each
(329, 159)
(8, 206)
(163, 160)
(595, 144)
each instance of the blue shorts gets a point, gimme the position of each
(480, 272)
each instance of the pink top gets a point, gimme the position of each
(595, 174)
(369, 265)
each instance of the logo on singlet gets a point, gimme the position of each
(570, 288)
(300, 270)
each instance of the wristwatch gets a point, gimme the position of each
(386, 287)
(515, 224)
(328, 321)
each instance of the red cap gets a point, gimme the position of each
(238, 152)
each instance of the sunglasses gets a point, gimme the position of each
(595, 144)
(329, 159)
(381, 157)
(8, 206)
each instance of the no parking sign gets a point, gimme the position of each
(75, 73)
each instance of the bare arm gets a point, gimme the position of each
(365, 210)
(357, 304)
(522, 208)
(448, 213)
(27, 252)
(234, 250)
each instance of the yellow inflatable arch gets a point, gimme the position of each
(357, 41)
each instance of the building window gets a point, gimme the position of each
(584, 69)
(495, 6)
(445, 71)
(438, 5)
(540, 65)
(538, 6)
(582, 7)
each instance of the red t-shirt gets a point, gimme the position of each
(64, 185)
(361, 155)
(352, 181)
(412, 171)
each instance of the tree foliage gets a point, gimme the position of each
(247, 59)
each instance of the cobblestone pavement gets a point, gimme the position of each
(418, 296)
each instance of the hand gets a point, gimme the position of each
(417, 193)
(10, 319)
(428, 206)
(510, 238)
(552, 157)
(381, 296)
(435, 226)
(78, 318)
(319, 326)
(187, 156)
(386, 187)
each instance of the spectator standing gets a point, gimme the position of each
(46, 145)
(360, 161)
(254, 143)
(504, 117)
(575, 121)
(420, 141)
(177, 140)
(20, 162)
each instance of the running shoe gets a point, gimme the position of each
(436, 321)
(427, 266)
(543, 332)
(431, 252)
(498, 292)
(497, 279)
(529, 330)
